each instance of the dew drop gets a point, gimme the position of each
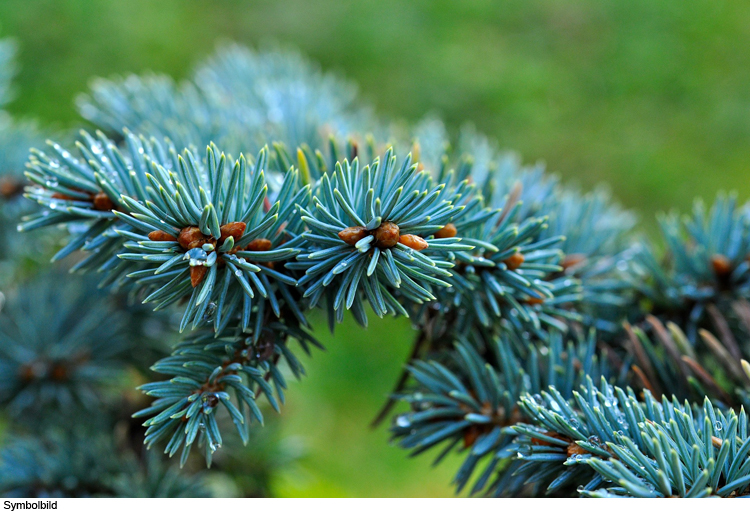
(209, 401)
(718, 426)
(402, 421)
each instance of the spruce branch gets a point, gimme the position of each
(468, 400)
(613, 444)
(238, 98)
(210, 233)
(50, 373)
(82, 194)
(593, 231)
(60, 464)
(508, 277)
(518, 285)
(705, 264)
(372, 235)
(209, 371)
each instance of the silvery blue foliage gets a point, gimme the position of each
(373, 202)
(261, 188)
(613, 444)
(75, 465)
(238, 98)
(63, 368)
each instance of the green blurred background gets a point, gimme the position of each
(650, 97)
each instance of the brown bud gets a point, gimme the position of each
(158, 235)
(575, 449)
(259, 245)
(514, 261)
(58, 195)
(59, 372)
(197, 274)
(721, 264)
(235, 230)
(192, 237)
(10, 187)
(386, 235)
(571, 260)
(448, 230)
(353, 234)
(102, 202)
(533, 301)
(716, 441)
(412, 241)
(470, 435)
(27, 373)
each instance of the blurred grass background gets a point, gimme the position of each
(652, 98)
